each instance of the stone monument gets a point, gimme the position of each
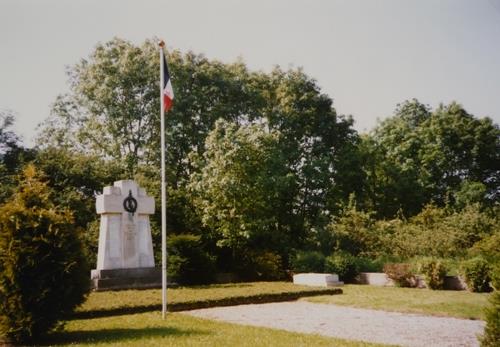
(125, 256)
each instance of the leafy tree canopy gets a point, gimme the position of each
(418, 156)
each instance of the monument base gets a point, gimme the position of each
(116, 279)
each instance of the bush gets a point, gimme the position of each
(371, 265)
(188, 263)
(491, 337)
(401, 274)
(267, 266)
(342, 264)
(308, 261)
(476, 272)
(43, 271)
(434, 272)
(488, 247)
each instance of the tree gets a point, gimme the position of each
(321, 147)
(43, 271)
(8, 139)
(353, 231)
(242, 188)
(418, 156)
(13, 155)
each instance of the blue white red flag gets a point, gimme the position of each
(168, 92)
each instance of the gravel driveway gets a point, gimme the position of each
(352, 323)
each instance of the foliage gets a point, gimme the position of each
(400, 273)
(353, 230)
(470, 193)
(434, 272)
(43, 271)
(488, 247)
(495, 276)
(111, 112)
(419, 156)
(342, 264)
(491, 335)
(13, 156)
(262, 161)
(476, 273)
(187, 262)
(239, 182)
(308, 261)
(370, 265)
(8, 139)
(75, 180)
(436, 232)
(263, 266)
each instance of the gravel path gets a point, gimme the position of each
(352, 323)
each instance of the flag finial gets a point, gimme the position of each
(161, 43)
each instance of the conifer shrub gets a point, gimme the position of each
(342, 264)
(476, 273)
(44, 275)
(434, 272)
(401, 274)
(188, 262)
(308, 261)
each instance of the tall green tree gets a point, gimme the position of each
(418, 156)
(242, 188)
(321, 147)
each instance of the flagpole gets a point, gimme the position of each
(163, 191)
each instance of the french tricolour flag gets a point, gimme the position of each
(168, 92)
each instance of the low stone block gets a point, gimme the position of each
(317, 280)
(375, 279)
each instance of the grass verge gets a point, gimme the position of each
(100, 304)
(148, 329)
(459, 304)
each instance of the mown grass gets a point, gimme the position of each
(148, 329)
(460, 304)
(135, 301)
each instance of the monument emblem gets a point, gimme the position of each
(125, 255)
(130, 204)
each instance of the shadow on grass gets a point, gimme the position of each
(220, 285)
(114, 311)
(192, 305)
(114, 335)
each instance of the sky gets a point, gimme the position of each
(367, 55)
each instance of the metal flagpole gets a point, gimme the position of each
(163, 191)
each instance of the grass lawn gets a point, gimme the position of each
(460, 304)
(148, 300)
(148, 329)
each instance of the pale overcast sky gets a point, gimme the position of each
(367, 55)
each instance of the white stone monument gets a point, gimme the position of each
(125, 256)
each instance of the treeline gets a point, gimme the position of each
(260, 167)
